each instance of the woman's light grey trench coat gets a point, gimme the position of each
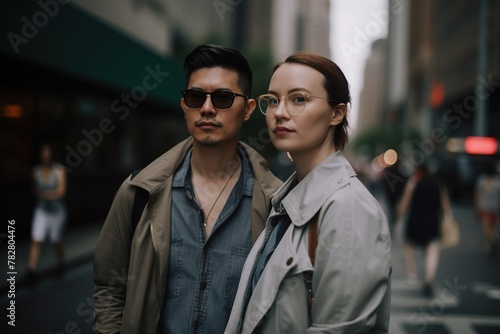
(351, 280)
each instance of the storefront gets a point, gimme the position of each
(106, 103)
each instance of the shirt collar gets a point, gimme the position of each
(184, 171)
(182, 177)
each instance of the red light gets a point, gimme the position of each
(436, 96)
(481, 145)
(14, 111)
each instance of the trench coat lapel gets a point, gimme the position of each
(301, 203)
(284, 258)
(309, 195)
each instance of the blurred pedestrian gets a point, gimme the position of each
(424, 202)
(178, 269)
(392, 183)
(323, 263)
(49, 218)
(487, 206)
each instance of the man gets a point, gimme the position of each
(177, 271)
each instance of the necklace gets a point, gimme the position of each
(218, 196)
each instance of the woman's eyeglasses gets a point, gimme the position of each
(221, 99)
(294, 102)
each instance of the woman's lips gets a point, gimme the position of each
(281, 130)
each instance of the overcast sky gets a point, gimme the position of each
(355, 24)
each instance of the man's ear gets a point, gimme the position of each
(339, 112)
(183, 106)
(249, 109)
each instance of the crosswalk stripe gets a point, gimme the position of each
(454, 323)
(423, 302)
(432, 311)
(402, 284)
(441, 299)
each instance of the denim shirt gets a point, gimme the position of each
(204, 271)
(280, 224)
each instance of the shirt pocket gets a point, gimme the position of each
(175, 269)
(234, 269)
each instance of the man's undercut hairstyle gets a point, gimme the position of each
(209, 55)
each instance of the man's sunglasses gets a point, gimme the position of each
(221, 99)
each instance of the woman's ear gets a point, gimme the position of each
(339, 112)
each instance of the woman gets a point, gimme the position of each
(50, 211)
(305, 110)
(424, 202)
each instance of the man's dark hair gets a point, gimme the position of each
(209, 55)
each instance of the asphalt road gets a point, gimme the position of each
(54, 305)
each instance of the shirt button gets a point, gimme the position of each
(203, 285)
(289, 261)
(339, 181)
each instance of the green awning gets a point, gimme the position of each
(73, 42)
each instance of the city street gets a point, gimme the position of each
(467, 293)
(55, 305)
(91, 91)
(466, 300)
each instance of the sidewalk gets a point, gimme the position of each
(79, 246)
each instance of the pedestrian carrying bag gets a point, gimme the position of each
(450, 232)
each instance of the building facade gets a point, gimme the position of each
(452, 85)
(101, 81)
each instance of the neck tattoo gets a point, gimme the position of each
(218, 196)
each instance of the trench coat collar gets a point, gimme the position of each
(153, 176)
(306, 197)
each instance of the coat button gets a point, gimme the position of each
(289, 261)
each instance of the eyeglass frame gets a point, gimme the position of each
(183, 92)
(279, 98)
